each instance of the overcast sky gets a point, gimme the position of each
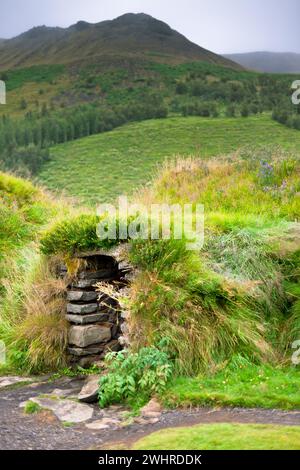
(222, 26)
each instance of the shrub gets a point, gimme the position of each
(134, 374)
(31, 407)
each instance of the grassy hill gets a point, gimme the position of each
(136, 35)
(101, 167)
(270, 62)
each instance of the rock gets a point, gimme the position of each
(82, 309)
(153, 409)
(84, 336)
(123, 341)
(88, 361)
(97, 425)
(124, 328)
(112, 346)
(86, 319)
(62, 393)
(89, 351)
(82, 296)
(124, 266)
(89, 392)
(115, 331)
(104, 423)
(66, 410)
(85, 283)
(12, 380)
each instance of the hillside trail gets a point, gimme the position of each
(101, 429)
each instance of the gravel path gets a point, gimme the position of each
(44, 431)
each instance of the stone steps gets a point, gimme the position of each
(95, 325)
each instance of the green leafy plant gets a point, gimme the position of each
(31, 407)
(134, 374)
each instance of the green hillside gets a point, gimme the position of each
(103, 166)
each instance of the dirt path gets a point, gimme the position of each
(44, 431)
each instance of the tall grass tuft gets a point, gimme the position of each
(32, 321)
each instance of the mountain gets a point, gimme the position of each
(273, 62)
(130, 35)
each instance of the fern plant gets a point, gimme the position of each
(140, 374)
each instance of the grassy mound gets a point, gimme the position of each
(223, 437)
(23, 209)
(241, 295)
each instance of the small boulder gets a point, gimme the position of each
(83, 336)
(104, 423)
(153, 409)
(89, 391)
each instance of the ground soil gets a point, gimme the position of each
(43, 431)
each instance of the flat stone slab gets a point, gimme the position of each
(89, 391)
(104, 423)
(82, 296)
(83, 336)
(82, 309)
(86, 319)
(12, 380)
(89, 351)
(84, 283)
(66, 410)
(63, 393)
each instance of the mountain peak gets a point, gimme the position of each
(134, 16)
(132, 35)
(80, 25)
